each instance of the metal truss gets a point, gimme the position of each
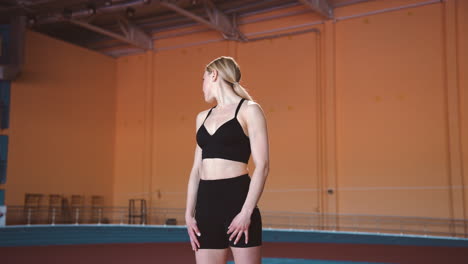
(322, 7)
(217, 19)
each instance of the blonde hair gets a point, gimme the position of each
(229, 71)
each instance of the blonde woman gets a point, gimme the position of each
(222, 198)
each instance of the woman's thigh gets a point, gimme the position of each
(211, 256)
(249, 255)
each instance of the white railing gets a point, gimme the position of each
(20, 215)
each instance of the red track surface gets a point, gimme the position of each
(174, 253)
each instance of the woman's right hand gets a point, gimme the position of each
(193, 231)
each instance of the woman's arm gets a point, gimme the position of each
(257, 129)
(194, 176)
(192, 194)
(193, 185)
(258, 135)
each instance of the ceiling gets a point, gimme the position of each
(111, 26)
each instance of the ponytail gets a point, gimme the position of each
(241, 91)
(229, 71)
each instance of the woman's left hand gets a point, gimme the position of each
(240, 225)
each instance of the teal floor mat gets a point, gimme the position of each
(306, 261)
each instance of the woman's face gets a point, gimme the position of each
(207, 87)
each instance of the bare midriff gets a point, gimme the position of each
(215, 169)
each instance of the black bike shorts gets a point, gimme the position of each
(218, 202)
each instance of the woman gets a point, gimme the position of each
(222, 198)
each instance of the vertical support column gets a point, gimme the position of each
(451, 74)
(330, 196)
(321, 177)
(148, 130)
(156, 119)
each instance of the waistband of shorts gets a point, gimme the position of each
(227, 180)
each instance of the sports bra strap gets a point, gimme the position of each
(209, 112)
(238, 107)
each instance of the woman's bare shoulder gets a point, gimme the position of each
(253, 108)
(201, 116)
(203, 113)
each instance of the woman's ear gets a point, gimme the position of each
(214, 75)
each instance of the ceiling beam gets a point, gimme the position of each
(132, 35)
(218, 20)
(132, 32)
(322, 7)
(87, 12)
(231, 30)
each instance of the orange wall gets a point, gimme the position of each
(363, 108)
(391, 122)
(62, 122)
(130, 141)
(373, 108)
(462, 81)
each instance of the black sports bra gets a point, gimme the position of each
(227, 142)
